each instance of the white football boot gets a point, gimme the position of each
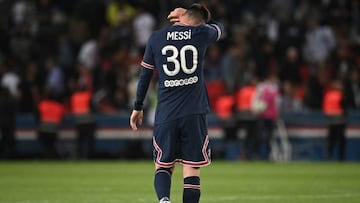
(165, 200)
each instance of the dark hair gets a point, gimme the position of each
(199, 12)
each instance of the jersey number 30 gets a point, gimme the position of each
(173, 58)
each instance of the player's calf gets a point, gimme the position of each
(162, 184)
(191, 193)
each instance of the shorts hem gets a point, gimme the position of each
(184, 163)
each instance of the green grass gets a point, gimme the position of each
(123, 182)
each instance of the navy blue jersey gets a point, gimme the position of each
(177, 54)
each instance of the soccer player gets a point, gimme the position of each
(180, 129)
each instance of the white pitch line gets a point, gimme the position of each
(280, 197)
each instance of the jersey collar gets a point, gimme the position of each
(181, 24)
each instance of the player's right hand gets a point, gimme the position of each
(174, 15)
(136, 118)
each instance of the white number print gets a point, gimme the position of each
(173, 58)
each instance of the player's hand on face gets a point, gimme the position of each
(136, 118)
(174, 15)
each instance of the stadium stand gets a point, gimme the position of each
(46, 45)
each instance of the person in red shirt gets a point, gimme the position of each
(50, 112)
(81, 109)
(334, 110)
(247, 119)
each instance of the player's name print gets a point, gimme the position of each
(179, 35)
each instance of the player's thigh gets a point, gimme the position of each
(195, 149)
(166, 144)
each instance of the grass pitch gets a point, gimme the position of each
(123, 182)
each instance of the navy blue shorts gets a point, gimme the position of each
(183, 140)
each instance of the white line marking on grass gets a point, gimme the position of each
(280, 197)
(329, 196)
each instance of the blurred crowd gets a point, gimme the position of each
(53, 47)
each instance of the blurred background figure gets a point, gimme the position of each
(290, 101)
(268, 93)
(335, 112)
(352, 89)
(225, 111)
(50, 115)
(144, 24)
(212, 68)
(29, 87)
(247, 120)
(85, 122)
(10, 79)
(319, 42)
(54, 81)
(7, 124)
(289, 69)
(82, 107)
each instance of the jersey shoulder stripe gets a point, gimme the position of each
(217, 28)
(218, 31)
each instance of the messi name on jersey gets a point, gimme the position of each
(179, 35)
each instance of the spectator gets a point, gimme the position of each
(50, 115)
(54, 79)
(119, 12)
(319, 42)
(88, 54)
(224, 110)
(21, 43)
(10, 79)
(19, 12)
(264, 58)
(289, 69)
(281, 9)
(247, 120)
(143, 24)
(289, 103)
(7, 124)
(65, 54)
(85, 78)
(212, 67)
(232, 66)
(268, 92)
(342, 63)
(89, 17)
(352, 89)
(81, 107)
(29, 89)
(314, 90)
(335, 111)
(45, 32)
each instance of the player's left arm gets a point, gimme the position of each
(145, 76)
(142, 88)
(216, 30)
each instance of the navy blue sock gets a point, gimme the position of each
(191, 192)
(162, 182)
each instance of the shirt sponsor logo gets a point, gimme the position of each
(181, 82)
